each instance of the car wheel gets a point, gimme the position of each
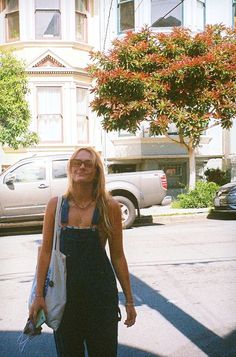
(127, 210)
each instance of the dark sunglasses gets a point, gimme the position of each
(88, 164)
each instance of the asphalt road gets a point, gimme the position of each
(184, 281)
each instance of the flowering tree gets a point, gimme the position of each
(179, 79)
(14, 110)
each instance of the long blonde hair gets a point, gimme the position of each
(99, 193)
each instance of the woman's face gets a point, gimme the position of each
(83, 169)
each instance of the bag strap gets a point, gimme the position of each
(56, 241)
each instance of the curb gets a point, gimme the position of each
(169, 218)
(178, 218)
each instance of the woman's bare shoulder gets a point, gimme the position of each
(113, 204)
(52, 203)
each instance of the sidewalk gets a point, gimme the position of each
(165, 214)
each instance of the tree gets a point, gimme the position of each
(14, 110)
(181, 79)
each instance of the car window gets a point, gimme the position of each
(59, 169)
(29, 172)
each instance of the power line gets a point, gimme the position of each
(108, 20)
(169, 11)
(109, 15)
(138, 6)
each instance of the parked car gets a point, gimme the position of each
(225, 199)
(26, 187)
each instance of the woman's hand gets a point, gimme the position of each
(37, 305)
(131, 315)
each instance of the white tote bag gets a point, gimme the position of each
(55, 284)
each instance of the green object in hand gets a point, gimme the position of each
(41, 318)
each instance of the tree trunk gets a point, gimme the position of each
(192, 168)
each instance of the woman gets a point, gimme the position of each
(89, 218)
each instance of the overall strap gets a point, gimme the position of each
(64, 211)
(96, 216)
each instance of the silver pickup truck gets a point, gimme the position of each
(26, 187)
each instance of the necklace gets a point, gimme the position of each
(84, 206)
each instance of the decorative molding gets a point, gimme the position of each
(48, 61)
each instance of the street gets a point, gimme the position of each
(184, 282)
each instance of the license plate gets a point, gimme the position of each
(217, 201)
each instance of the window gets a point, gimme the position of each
(234, 14)
(166, 13)
(59, 169)
(175, 173)
(125, 15)
(49, 114)
(47, 19)
(82, 115)
(12, 20)
(119, 168)
(200, 14)
(81, 8)
(30, 172)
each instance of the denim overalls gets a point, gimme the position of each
(91, 314)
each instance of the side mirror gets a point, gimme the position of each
(10, 180)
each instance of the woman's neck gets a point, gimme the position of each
(82, 193)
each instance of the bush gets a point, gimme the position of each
(218, 176)
(202, 196)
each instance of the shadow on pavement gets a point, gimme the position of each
(205, 339)
(43, 346)
(224, 216)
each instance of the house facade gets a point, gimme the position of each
(54, 38)
(142, 151)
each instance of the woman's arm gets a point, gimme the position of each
(44, 258)
(119, 261)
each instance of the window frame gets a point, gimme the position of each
(181, 5)
(59, 140)
(234, 14)
(43, 10)
(85, 27)
(203, 2)
(8, 13)
(120, 2)
(83, 115)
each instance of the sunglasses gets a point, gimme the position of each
(88, 164)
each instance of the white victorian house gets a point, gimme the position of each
(54, 38)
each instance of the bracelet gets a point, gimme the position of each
(129, 304)
(39, 296)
